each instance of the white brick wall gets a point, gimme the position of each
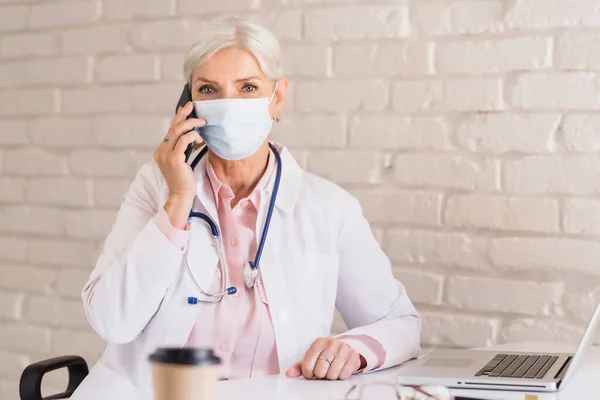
(468, 129)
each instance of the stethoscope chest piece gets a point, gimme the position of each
(250, 275)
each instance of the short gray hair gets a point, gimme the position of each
(240, 33)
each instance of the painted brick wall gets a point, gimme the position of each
(469, 130)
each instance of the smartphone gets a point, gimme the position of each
(185, 97)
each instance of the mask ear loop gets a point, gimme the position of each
(273, 94)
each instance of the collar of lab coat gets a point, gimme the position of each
(291, 179)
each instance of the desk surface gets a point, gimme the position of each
(584, 385)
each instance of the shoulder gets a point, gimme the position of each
(324, 193)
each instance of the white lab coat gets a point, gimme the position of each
(320, 253)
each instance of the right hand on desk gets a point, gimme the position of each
(170, 155)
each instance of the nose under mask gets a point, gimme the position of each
(235, 128)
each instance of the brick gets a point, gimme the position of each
(12, 190)
(60, 192)
(127, 68)
(12, 74)
(61, 252)
(582, 303)
(539, 14)
(446, 171)
(13, 249)
(27, 279)
(110, 192)
(365, 95)
(541, 253)
(191, 7)
(31, 220)
(358, 22)
(529, 329)
(61, 132)
(489, 294)
(62, 71)
(95, 40)
(582, 216)
(401, 58)
(20, 337)
(558, 90)
(379, 131)
(306, 60)
(436, 248)
(547, 174)
(53, 311)
(388, 206)
(422, 286)
(130, 132)
(28, 102)
(286, 25)
(347, 166)
(116, 10)
(311, 131)
(578, 50)
(102, 163)
(164, 35)
(33, 161)
(459, 94)
(90, 224)
(13, 132)
(458, 18)
(443, 329)
(171, 67)
(156, 98)
(64, 14)
(29, 45)
(13, 18)
(493, 56)
(581, 133)
(12, 365)
(97, 100)
(504, 133)
(87, 344)
(503, 213)
(11, 304)
(71, 282)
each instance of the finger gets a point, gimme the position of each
(188, 125)
(182, 113)
(310, 358)
(322, 366)
(343, 354)
(295, 371)
(352, 365)
(186, 140)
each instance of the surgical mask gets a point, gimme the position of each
(235, 128)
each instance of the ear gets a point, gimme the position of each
(276, 106)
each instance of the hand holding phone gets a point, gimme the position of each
(186, 96)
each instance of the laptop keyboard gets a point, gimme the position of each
(518, 366)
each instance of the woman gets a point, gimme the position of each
(319, 252)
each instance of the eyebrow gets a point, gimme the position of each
(236, 81)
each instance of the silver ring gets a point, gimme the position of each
(326, 359)
(165, 140)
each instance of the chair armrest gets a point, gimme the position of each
(30, 386)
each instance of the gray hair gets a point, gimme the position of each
(240, 33)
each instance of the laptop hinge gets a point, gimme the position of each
(563, 370)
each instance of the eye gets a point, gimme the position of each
(206, 89)
(249, 88)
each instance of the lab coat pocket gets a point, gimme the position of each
(317, 286)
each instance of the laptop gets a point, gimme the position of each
(500, 370)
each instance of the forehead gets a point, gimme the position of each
(228, 65)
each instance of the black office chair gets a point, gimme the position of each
(30, 385)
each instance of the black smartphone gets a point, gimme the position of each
(186, 96)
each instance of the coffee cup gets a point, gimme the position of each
(184, 374)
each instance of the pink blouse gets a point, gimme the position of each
(239, 327)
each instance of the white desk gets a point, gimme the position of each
(584, 385)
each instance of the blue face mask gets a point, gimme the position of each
(235, 128)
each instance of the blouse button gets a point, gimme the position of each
(234, 242)
(224, 346)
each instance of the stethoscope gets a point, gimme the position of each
(251, 267)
